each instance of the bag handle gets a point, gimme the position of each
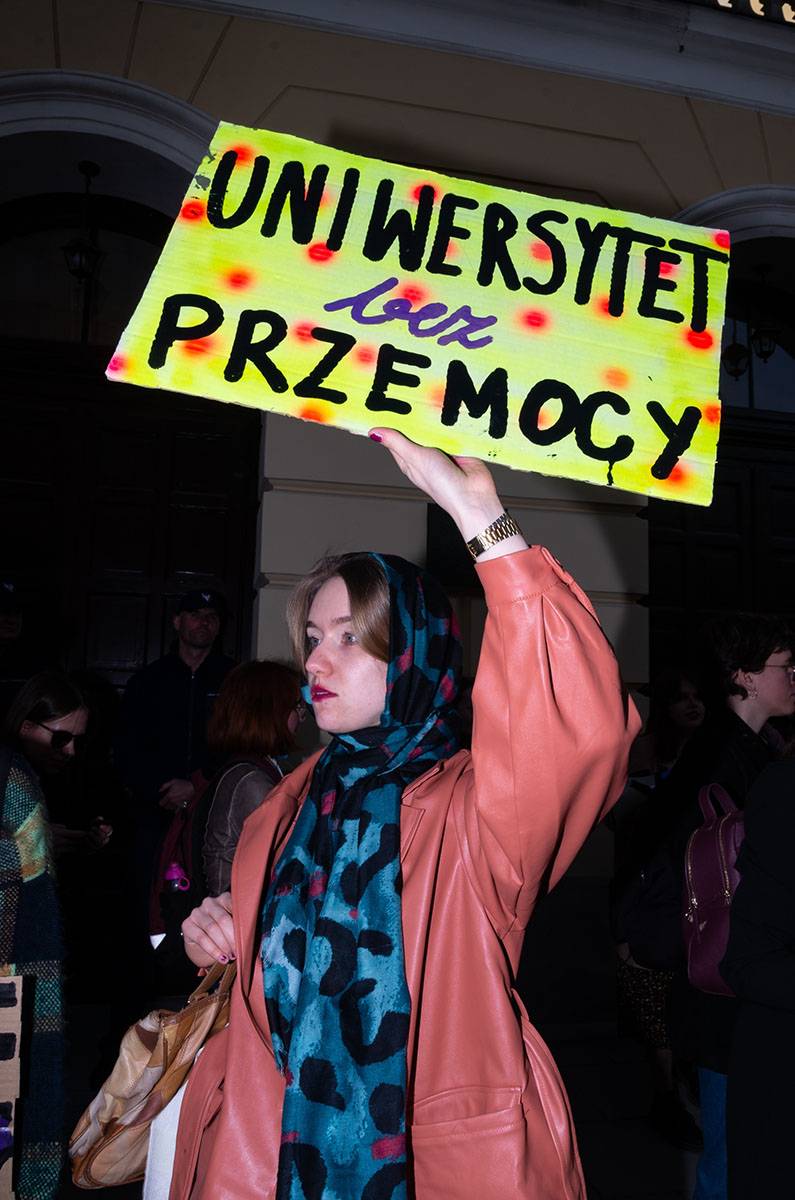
(221, 973)
(715, 801)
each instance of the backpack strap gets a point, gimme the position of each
(715, 801)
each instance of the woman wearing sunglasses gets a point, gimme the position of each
(41, 732)
(376, 1047)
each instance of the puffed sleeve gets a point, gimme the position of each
(551, 736)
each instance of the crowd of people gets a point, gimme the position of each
(375, 894)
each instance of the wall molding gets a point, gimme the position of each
(677, 47)
(372, 491)
(105, 105)
(749, 212)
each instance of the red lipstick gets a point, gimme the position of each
(320, 693)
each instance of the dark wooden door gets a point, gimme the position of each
(113, 500)
(738, 554)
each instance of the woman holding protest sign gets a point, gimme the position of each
(376, 1046)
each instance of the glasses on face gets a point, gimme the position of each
(788, 667)
(61, 738)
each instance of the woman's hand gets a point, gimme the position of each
(208, 932)
(463, 487)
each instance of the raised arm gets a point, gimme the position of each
(552, 725)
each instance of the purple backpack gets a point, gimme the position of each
(711, 877)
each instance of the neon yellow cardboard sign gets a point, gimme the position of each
(540, 334)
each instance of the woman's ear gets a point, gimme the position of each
(27, 728)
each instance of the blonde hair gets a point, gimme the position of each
(369, 596)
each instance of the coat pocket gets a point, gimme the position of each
(469, 1143)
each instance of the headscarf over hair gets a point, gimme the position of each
(332, 944)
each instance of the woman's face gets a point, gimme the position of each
(47, 746)
(686, 711)
(348, 685)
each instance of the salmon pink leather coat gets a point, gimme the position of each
(483, 835)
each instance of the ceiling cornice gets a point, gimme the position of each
(672, 47)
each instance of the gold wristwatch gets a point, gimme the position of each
(504, 527)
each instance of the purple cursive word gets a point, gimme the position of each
(400, 309)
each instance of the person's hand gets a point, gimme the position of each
(208, 933)
(463, 487)
(176, 794)
(98, 833)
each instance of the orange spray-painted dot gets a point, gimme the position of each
(668, 268)
(365, 354)
(437, 396)
(118, 363)
(303, 331)
(679, 475)
(602, 306)
(616, 377)
(319, 252)
(711, 413)
(540, 251)
(703, 340)
(192, 210)
(417, 190)
(310, 413)
(723, 239)
(245, 154)
(535, 318)
(199, 346)
(414, 293)
(239, 278)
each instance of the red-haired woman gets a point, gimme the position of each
(253, 723)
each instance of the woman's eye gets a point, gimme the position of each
(311, 642)
(349, 639)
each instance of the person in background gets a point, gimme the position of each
(643, 992)
(161, 745)
(748, 680)
(254, 721)
(42, 730)
(676, 711)
(760, 968)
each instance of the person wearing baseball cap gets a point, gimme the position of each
(161, 748)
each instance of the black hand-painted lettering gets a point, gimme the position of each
(679, 434)
(169, 329)
(410, 230)
(592, 239)
(309, 387)
(702, 257)
(245, 349)
(491, 397)
(446, 230)
(536, 227)
(549, 389)
(621, 448)
(653, 283)
(499, 226)
(625, 239)
(304, 201)
(386, 375)
(342, 213)
(220, 185)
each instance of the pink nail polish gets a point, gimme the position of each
(222, 958)
(376, 437)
